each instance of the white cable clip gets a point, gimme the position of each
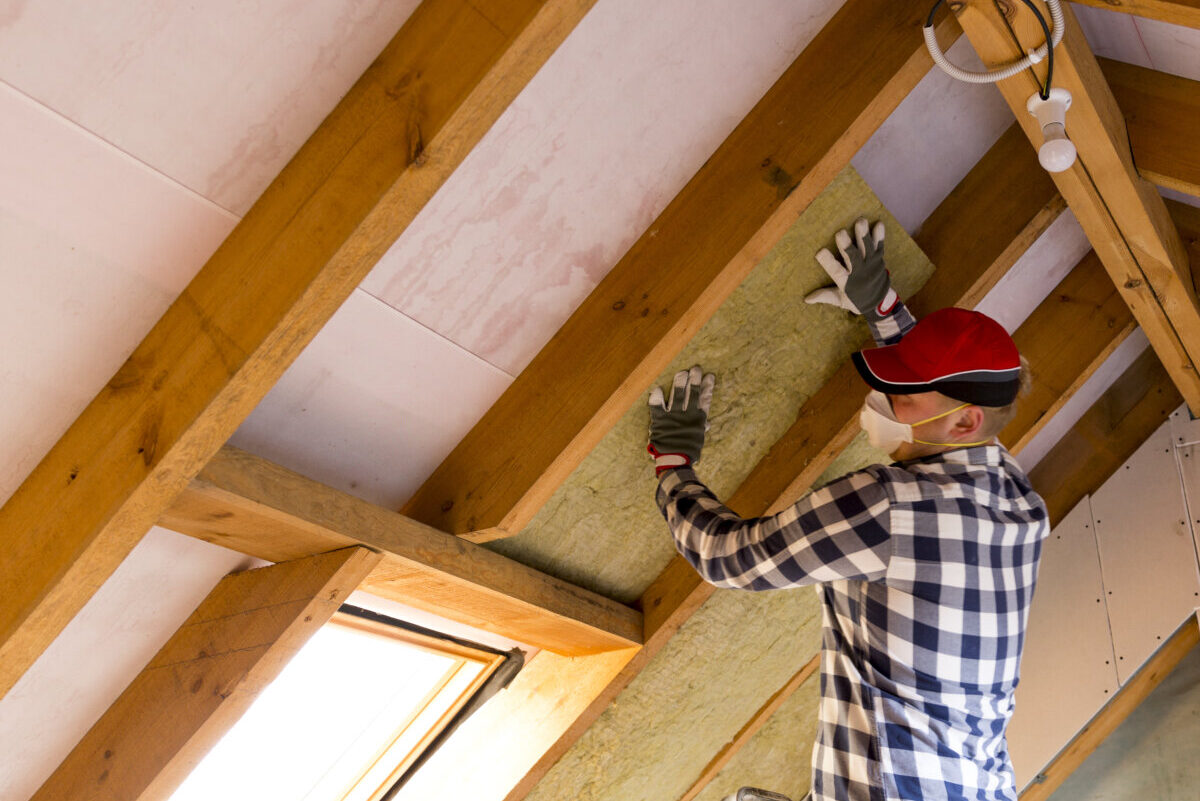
(1034, 56)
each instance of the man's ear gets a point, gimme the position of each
(968, 422)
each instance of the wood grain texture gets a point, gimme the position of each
(1162, 113)
(1122, 214)
(1068, 336)
(1106, 721)
(205, 677)
(676, 275)
(246, 503)
(1176, 12)
(1110, 431)
(298, 253)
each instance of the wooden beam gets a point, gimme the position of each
(1123, 215)
(298, 253)
(251, 505)
(1176, 12)
(199, 684)
(1066, 338)
(1113, 713)
(1161, 112)
(677, 274)
(1005, 199)
(1114, 427)
(756, 722)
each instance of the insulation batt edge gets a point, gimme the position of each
(770, 351)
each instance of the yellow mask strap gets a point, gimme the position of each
(947, 444)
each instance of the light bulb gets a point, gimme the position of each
(1057, 152)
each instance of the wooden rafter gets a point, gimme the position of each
(251, 505)
(677, 274)
(1161, 111)
(209, 672)
(1005, 179)
(298, 253)
(1176, 12)
(1122, 214)
(1120, 706)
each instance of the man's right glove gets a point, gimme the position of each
(862, 281)
(677, 425)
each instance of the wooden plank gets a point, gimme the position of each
(1106, 721)
(1068, 336)
(756, 722)
(1122, 214)
(1176, 12)
(299, 252)
(1005, 199)
(1110, 431)
(205, 677)
(251, 505)
(677, 274)
(1161, 112)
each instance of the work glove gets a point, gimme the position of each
(862, 283)
(677, 425)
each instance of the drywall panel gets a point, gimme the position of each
(1108, 372)
(724, 663)
(1185, 436)
(1152, 755)
(372, 405)
(1035, 274)
(622, 115)
(217, 95)
(1146, 551)
(101, 650)
(95, 247)
(1067, 644)
(1141, 41)
(769, 350)
(933, 138)
(779, 756)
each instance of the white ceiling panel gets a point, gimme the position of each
(1141, 41)
(614, 125)
(1027, 283)
(101, 650)
(217, 95)
(372, 405)
(932, 140)
(95, 247)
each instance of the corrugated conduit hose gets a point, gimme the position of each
(999, 74)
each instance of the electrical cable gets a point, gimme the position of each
(1045, 93)
(1053, 37)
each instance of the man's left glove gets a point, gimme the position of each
(677, 425)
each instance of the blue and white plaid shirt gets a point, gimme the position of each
(925, 570)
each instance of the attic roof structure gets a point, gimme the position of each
(306, 300)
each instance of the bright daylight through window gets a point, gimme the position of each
(345, 718)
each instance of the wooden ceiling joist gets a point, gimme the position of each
(248, 504)
(1162, 112)
(209, 672)
(299, 252)
(1176, 12)
(1122, 214)
(681, 269)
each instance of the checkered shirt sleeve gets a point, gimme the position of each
(838, 532)
(890, 329)
(925, 571)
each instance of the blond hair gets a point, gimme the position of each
(995, 418)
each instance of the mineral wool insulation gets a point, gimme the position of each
(770, 351)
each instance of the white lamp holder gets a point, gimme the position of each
(1057, 152)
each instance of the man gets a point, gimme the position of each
(925, 567)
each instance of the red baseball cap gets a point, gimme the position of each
(963, 354)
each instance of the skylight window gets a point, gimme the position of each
(345, 718)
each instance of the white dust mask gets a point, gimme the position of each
(887, 433)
